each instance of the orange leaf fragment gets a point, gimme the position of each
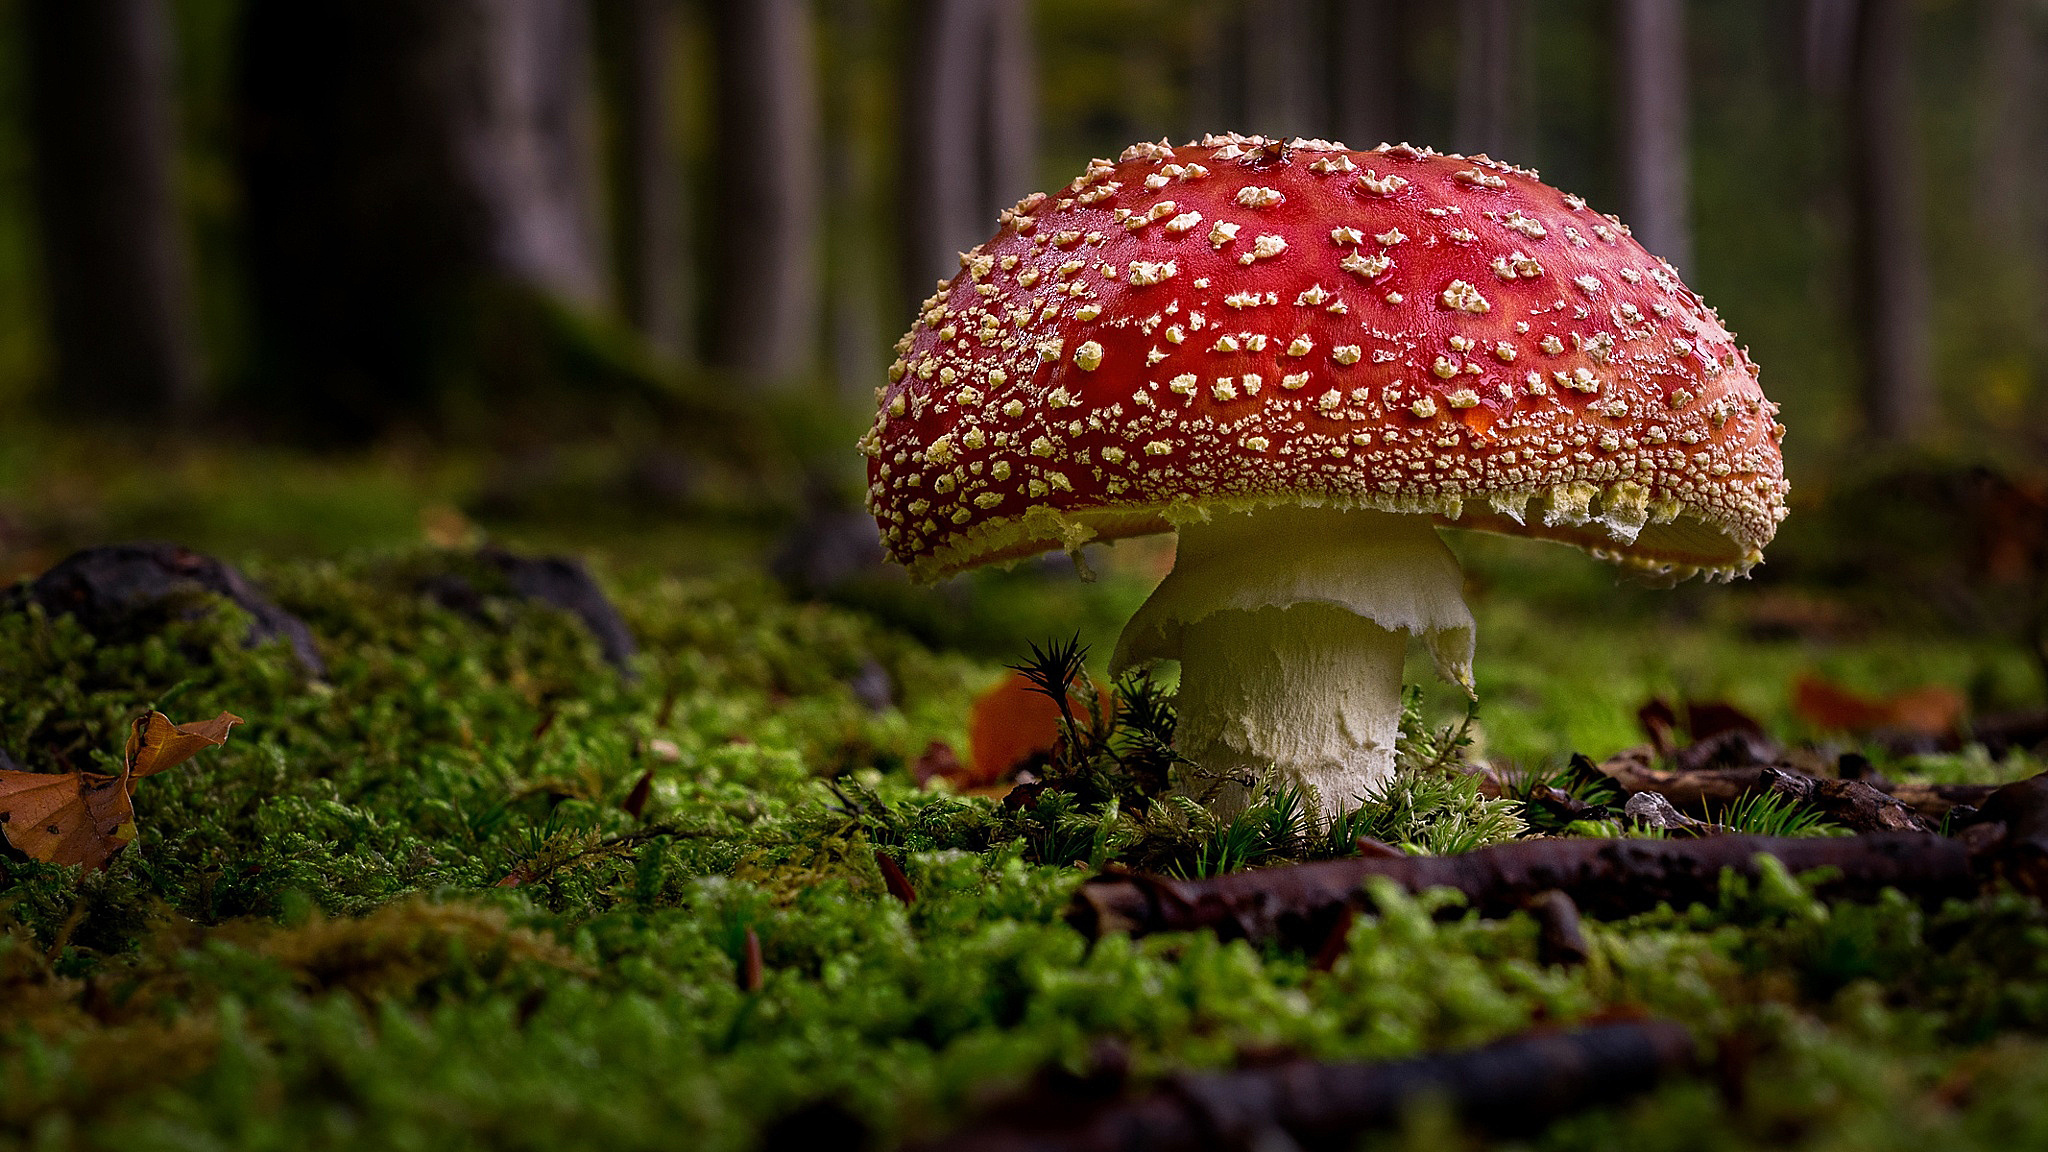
(1012, 723)
(85, 817)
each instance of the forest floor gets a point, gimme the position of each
(425, 901)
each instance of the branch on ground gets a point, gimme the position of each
(1513, 1087)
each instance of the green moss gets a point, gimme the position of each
(312, 943)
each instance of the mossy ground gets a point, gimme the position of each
(312, 945)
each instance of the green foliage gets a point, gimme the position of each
(1774, 814)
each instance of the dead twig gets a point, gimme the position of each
(1859, 805)
(1604, 878)
(1299, 905)
(1512, 1087)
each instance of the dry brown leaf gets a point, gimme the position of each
(1012, 723)
(85, 817)
(1929, 711)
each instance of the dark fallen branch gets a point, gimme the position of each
(1937, 801)
(1301, 905)
(1871, 805)
(1852, 804)
(1698, 792)
(1605, 878)
(2009, 836)
(1510, 1088)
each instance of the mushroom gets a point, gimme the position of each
(1304, 359)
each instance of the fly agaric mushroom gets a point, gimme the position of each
(1304, 358)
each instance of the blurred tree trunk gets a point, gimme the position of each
(768, 212)
(532, 141)
(1216, 74)
(651, 256)
(1490, 68)
(1372, 83)
(970, 130)
(2010, 164)
(1890, 270)
(1011, 112)
(399, 160)
(855, 263)
(1829, 30)
(1282, 83)
(1656, 171)
(114, 267)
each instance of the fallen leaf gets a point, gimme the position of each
(938, 761)
(1929, 711)
(85, 817)
(750, 975)
(1692, 722)
(643, 790)
(1012, 723)
(894, 879)
(155, 744)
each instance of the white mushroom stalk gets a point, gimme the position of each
(1291, 625)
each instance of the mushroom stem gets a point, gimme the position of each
(1288, 623)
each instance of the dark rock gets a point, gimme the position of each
(558, 581)
(7, 763)
(564, 582)
(828, 550)
(122, 592)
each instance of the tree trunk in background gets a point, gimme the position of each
(1372, 84)
(398, 159)
(653, 283)
(1490, 53)
(941, 186)
(1890, 261)
(970, 129)
(1829, 31)
(1282, 83)
(1656, 171)
(114, 267)
(1011, 111)
(768, 219)
(2010, 166)
(855, 261)
(531, 143)
(1215, 76)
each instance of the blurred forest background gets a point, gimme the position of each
(307, 274)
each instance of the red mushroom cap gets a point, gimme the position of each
(1242, 322)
